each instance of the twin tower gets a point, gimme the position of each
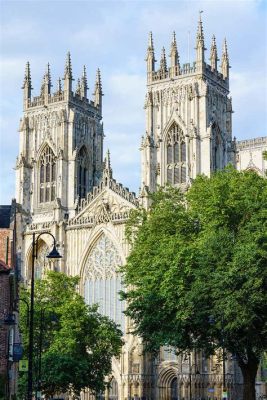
(188, 129)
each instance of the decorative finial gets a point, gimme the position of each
(47, 76)
(150, 41)
(213, 54)
(78, 88)
(68, 68)
(174, 39)
(225, 61)
(84, 86)
(163, 62)
(175, 65)
(98, 80)
(59, 86)
(107, 171)
(200, 34)
(27, 76)
(225, 50)
(98, 91)
(200, 46)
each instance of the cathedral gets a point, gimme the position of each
(66, 187)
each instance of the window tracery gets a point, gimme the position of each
(176, 156)
(47, 176)
(102, 281)
(82, 173)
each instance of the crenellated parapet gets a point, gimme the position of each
(64, 94)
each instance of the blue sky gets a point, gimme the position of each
(112, 35)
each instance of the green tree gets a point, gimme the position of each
(198, 258)
(77, 342)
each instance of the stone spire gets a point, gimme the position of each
(200, 46)
(225, 61)
(68, 76)
(84, 86)
(98, 91)
(150, 58)
(213, 54)
(175, 65)
(163, 64)
(107, 170)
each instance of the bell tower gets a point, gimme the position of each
(61, 145)
(188, 116)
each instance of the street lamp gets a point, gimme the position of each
(54, 254)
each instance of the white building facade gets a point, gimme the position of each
(68, 189)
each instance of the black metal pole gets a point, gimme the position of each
(223, 350)
(29, 394)
(190, 378)
(40, 350)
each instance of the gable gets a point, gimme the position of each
(105, 205)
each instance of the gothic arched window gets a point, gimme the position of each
(47, 176)
(176, 156)
(82, 173)
(102, 282)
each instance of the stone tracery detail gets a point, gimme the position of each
(176, 155)
(102, 282)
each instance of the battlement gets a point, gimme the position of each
(250, 143)
(65, 93)
(38, 101)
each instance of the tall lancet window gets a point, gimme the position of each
(47, 175)
(176, 155)
(102, 283)
(82, 173)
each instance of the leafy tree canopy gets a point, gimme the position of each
(77, 342)
(197, 275)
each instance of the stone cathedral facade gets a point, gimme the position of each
(67, 188)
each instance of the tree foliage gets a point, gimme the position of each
(77, 342)
(200, 257)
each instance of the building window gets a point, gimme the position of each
(47, 176)
(176, 156)
(82, 173)
(102, 282)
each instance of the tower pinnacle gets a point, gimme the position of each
(175, 65)
(200, 46)
(225, 61)
(98, 91)
(84, 86)
(150, 58)
(213, 54)
(107, 172)
(163, 63)
(27, 85)
(68, 76)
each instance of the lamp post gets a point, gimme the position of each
(54, 254)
